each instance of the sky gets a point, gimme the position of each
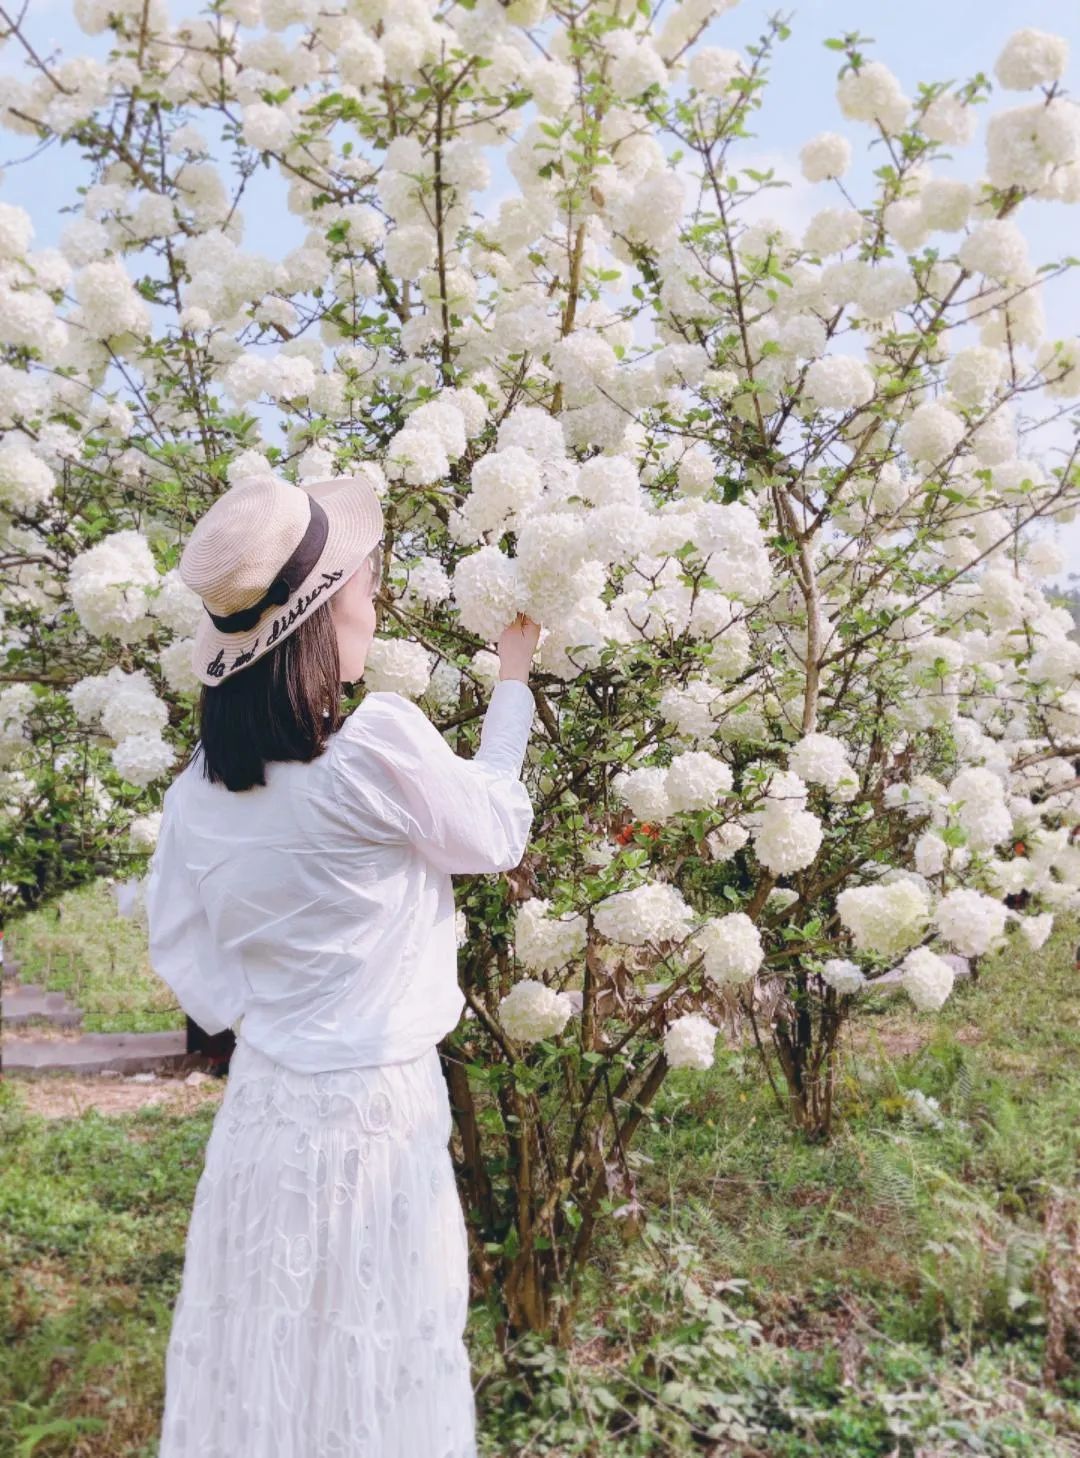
(920, 40)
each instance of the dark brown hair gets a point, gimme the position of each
(285, 705)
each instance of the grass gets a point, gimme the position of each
(881, 1296)
(79, 945)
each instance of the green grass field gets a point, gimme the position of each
(80, 946)
(885, 1294)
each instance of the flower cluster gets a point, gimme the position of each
(690, 1042)
(545, 943)
(653, 912)
(130, 712)
(531, 1011)
(731, 947)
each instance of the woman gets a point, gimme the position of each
(300, 891)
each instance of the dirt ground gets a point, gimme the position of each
(59, 1096)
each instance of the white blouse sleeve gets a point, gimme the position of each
(181, 946)
(465, 815)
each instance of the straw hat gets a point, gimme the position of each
(264, 553)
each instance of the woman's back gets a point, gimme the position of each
(319, 906)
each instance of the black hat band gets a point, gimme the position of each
(295, 571)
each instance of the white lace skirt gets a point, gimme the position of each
(322, 1308)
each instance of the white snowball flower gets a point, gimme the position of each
(832, 230)
(108, 585)
(281, 377)
(648, 913)
(636, 67)
(1031, 58)
(545, 943)
(609, 481)
(843, 976)
(726, 841)
(820, 759)
(905, 221)
(696, 780)
(417, 456)
(1014, 318)
(176, 605)
(732, 544)
(763, 239)
(787, 840)
(719, 383)
(445, 419)
(690, 1042)
(551, 548)
(945, 203)
(983, 814)
(645, 791)
(110, 305)
(144, 830)
(398, 664)
(873, 94)
(506, 485)
(142, 758)
(932, 432)
(884, 919)
(26, 481)
(927, 979)
(16, 233)
(712, 69)
(931, 853)
(802, 336)
(530, 1011)
(1044, 558)
(782, 788)
(16, 701)
(731, 946)
(267, 128)
(975, 373)
(1059, 363)
(648, 213)
(838, 382)
(970, 922)
(427, 582)
(89, 696)
(178, 667)
(1025, 144)
(696, 472)
(947, 119)
(824, 156)
(133, 708)
(408, 250)
(488, 592)
(997, 249)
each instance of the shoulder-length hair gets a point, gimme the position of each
(284, 705)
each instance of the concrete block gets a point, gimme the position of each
(94, 1053)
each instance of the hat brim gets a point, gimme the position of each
(355, 518)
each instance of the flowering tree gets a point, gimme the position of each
(778, 501)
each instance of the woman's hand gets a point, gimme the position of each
(517, 644)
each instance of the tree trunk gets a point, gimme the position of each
(807, 1057)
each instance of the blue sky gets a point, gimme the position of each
(920, 40)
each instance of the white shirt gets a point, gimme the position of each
(318, 907)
